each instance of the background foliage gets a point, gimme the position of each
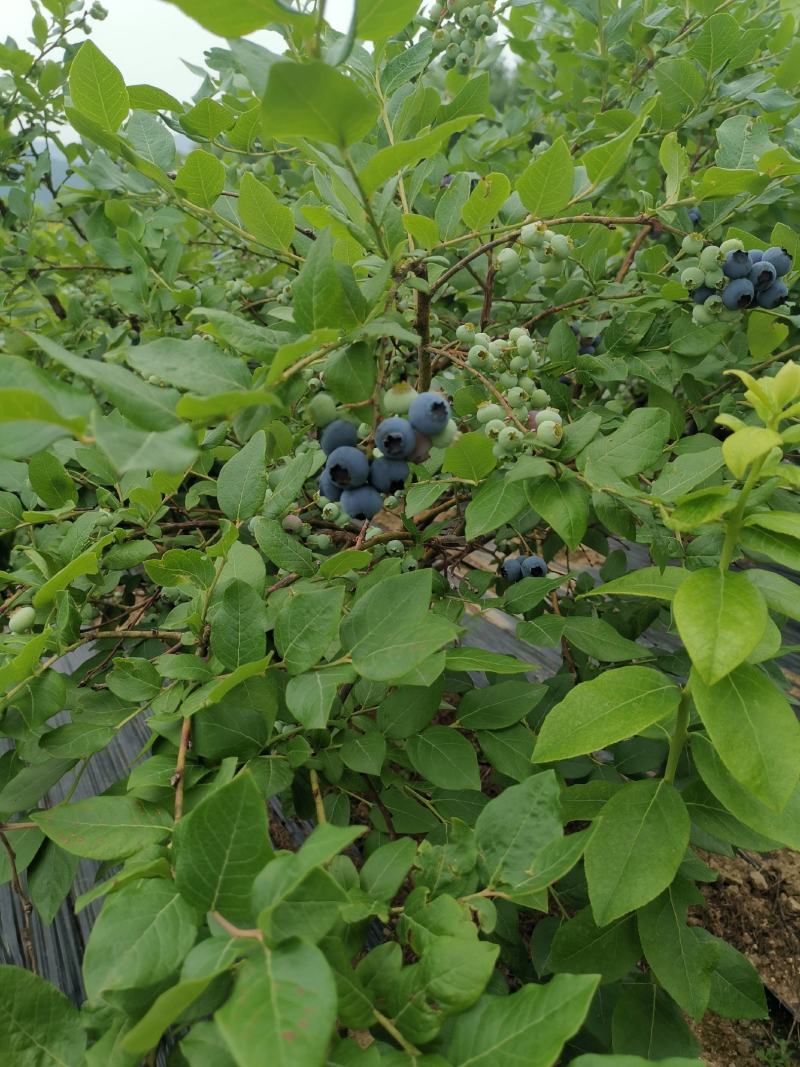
(496, 875)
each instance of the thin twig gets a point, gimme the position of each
(25, 905)
(317, 795)
(636, 244)
(237, 931)
(180, 766)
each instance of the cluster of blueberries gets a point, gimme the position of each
(728, 278)
(515, 568)
(587, 346)
(358, 483)
(458, 41)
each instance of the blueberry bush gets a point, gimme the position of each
(475, 307)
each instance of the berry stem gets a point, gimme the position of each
(734, 524)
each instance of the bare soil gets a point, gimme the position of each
(755, 906)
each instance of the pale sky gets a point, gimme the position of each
(147, 39)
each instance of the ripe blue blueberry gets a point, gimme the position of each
(694, 216)
(534, 567)
(738, 294)
(429, 413)
(395, 437)
(772, 297)
(337, 434)
(755, 255)
(780, 259)
(737, 264)
(348, 467)
(763, 274)
(361, 503)
(388, 475)
(511, 569)
(328, 487)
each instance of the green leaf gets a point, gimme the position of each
(495, 503)
(545, 186)
(149, 98)
(779, 593)
(445, 758)
(682, 89)
(618, 704)
(378, 19)
(282, 549)
(104, 828)
(238, 626)
(39, 1026)
(675, 160)
(393, 159)
(720, 618)
(166, 1009)
(782, 826)
(485, 200)
(736, 989)
(307, 625)
(680, 960)
(85, 563)
(564, 505)
(350, 373)
(515, 826)
(24, 405)
(599, 639)
(50, 481)
(470, 658)
(470, 457)
(325, 291)
(351, 559)
(604, 160)
(237, 18)
(196, 366)
(201, 178)
(593, 1060)
(529, 1026)
(242, 482)
(647, 582)
(754, 730)
(648, 1022)
(386, 643)
(207, 119)
(386, 868)
(645, 827)
(582, 947)
(220, 846)
(284, 1000)
(97, 88)
(717, 41)
(151, 139)
(316, 101)
(139, 938)
(10, 509)
(497, 706)
(686, 472)
(264, 216)
(636, 446)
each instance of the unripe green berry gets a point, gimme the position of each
(395, 548)
(292, 523)
(692, 278)
(539, 398)
(508, 261)
(532, 235)
(549, 433)
(552, 269)
(331, 511)
(701, 316)
(715, 279)
(516, 333)
(447, 435)
(508, 380)
(482, 339)
(493, 427)
(709, 257)
(465, 333)
(692, 244)
(21, 620)
(510, 438)
(397, 400)
(322, 409)
(562, 245)
(526, 346)
(548, 415)
(733, 244)
(487, 412)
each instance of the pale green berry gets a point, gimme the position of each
(692, 244)
(510, 438)
(465, 333)
(549, 433)
(539, 398)
(517, 364)
(552, 269)
(478, 357)
(562, 245)
(691, 278)
(709, 257)
(487, 412)
(493, 427)
(292, 523)
(515, 396)
(390, 502)
(548, 415)
(507, 261)
(528, 385)
(395, 548)
(733, 244)
(508, 380)
(525, 346)
(21, 620)
(714, 304)
(532, 235)
(322, 409)
(701, 316)
(715, 279)
(544, 254)
(516, 333)
(331, 511)
(482, 339)
(397, 400)
(447, 436)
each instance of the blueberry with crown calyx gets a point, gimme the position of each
(395, 437)
(337, 434)
(361, 503)
(348, 467)
(429, 413)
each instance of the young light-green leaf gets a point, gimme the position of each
(97, 88)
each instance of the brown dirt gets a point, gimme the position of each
(755, 906)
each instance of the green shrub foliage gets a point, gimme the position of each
(303, 382)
